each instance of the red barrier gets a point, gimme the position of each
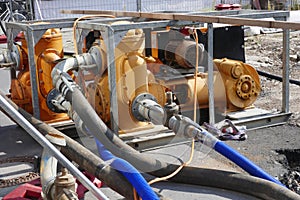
(25, 192)
(33, 189)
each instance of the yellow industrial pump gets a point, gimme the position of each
(170, 68)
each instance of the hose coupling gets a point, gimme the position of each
(180, 124)
(203, 136)
(145, 109)
(185, 127)
(57, 103)
(8, 59)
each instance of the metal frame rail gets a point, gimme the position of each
(113, 33)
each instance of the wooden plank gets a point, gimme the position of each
(195, 18)
(102, 12)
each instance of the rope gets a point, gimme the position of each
(196, 74)
(178, 169)
(195, 35)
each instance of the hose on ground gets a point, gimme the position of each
(189, 175)
(127, 170)
(82, 156)
(243, 162)
(184, 125)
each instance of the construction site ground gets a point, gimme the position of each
(275, 149)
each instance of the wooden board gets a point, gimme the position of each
(195, 18)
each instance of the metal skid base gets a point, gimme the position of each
(158, 137)
(256, 118)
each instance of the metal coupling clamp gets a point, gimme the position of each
(144, 108)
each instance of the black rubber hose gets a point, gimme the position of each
(235, 182)
(275, 77)
(189, 175)
(83, 157)
(112, 142)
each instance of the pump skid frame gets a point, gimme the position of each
(113, 33)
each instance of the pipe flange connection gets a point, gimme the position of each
(145, 109)
(98, 58)
(137, 102)
(10, 58)
(246, 87)
(55, 102)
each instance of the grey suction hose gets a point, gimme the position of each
(66, 86)
(82, 156)
(110, 140)
(237, 182)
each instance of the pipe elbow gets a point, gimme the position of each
(57, 71)
(48, 170)
(90, 61)
(48, 166)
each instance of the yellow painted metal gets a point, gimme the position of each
(236, 87)
(236, 84)
(132, 79)
(241, 82)
(48, 50)
(184, 91)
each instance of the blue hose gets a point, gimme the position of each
(243, 162)
(131, 174)
(192, 128)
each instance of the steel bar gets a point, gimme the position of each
(16, 116)
(112, 79)
(285, 71)
(211, 103)
(33, 73)
(259, 15)
(11, 10)
(138, 5)
(195, 18)
(254, 14)
(99, 25)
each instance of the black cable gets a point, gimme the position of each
(278, 78)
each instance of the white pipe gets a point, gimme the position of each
(48, 171)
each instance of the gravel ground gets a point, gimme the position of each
(275, 149)
(264, 52)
